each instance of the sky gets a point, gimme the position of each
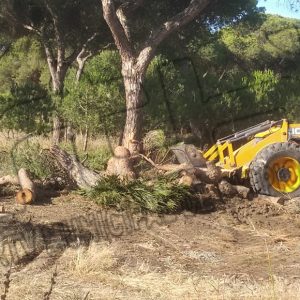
(279, 7)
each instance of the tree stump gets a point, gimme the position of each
(121, 164)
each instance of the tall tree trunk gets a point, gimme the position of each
(86, 138)
(57, 129)
(70, 133)
(81, 63)
(134, 104)
(134, 65)
(57, 87)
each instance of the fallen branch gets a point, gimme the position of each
(169, 168)
(85, 158)
(172, 169)
(14, 180)
(149, 160)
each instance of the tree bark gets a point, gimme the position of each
(135, 63)
(79, 70)
(81, 60)
(70, 133)
(14, 180)
(86, 137)
(82, 176)
(57, 130)
(121, 164)
(134, 103)
(58, 73)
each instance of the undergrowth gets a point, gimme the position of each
(156, 146)
(159, 196)
(32, 156)
(95, 158)
(26, 155)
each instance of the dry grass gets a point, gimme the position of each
(12, 152)
(93, 260)
(104, 271)
(45, 142)
(96, 272)
(96, 143)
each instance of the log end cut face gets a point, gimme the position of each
(25, 197)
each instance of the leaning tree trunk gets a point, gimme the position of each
(82, 176)
(58, 76)
(133, 78)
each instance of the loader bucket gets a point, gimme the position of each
(188, 154)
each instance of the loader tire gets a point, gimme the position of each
(275, 171)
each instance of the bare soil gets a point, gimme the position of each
(243, 250)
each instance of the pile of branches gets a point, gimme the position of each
(122, 184)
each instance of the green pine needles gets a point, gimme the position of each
(159, 196)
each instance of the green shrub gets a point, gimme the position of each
(161, 196)
(156, 145)
(154, 139)
(31, 157)
(96, 158)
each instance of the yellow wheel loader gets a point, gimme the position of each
(268, 154)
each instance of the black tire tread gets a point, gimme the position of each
(258, 167)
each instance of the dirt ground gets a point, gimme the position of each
(67, 247)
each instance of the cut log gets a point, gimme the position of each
(243, 191)
(226, 188)
(14, 180)
(214, 173)
(232, 190)
(188, 154)
(207, 176)
(210, 174)
(170, 168)
(82, 176)
(27, 194)
(187, 180)
(176, 168)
